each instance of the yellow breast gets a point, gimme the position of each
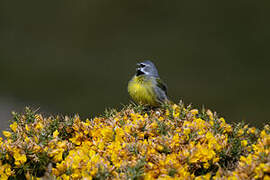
(141, 90)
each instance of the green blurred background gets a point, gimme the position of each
(71, 57)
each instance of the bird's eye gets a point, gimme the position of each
(142, 65)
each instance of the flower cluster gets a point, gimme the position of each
(171, 142)
(256, 164)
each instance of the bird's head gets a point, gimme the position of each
(146, 68)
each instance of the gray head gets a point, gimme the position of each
(146, 68)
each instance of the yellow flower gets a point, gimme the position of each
(55, 172)
(26, 139)
(39, 126)
(61, 167)
(120, 133)
(227, 128)
(222, 120)
(204, 177)
(240, 132)
(55, 133)
(7, 134)
(1, 142)
(5, 171)
(77, 139)
(94, 171)
(244, 143)
(65, 177)
(187, 131)
(160, 148)
(27, 128)
(211, 122)
(161, 118)
(206, 165)
(58, 156)
(176, 114)
(154, 125)
(216, 159)
(233, 177)
(8, 171)
(175, 140)
(263, 134)
(176, 111)
(14, 126)
(201, 153)
(20, 159)
(259, 170)
(36, 139)
(251, 130)
(210, 114)
(167, 112)
(107, 133)
(194, 111)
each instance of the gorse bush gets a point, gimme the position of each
(171, 142)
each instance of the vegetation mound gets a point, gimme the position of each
(171, 142)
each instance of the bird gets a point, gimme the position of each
(145, 87)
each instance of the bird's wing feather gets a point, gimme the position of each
(162, 85)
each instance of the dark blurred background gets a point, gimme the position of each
(77, 56)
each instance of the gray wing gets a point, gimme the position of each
(161, 90)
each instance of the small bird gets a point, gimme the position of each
(146, 87)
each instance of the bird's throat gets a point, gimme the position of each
(139, 72)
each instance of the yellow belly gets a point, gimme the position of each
(141, 91)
